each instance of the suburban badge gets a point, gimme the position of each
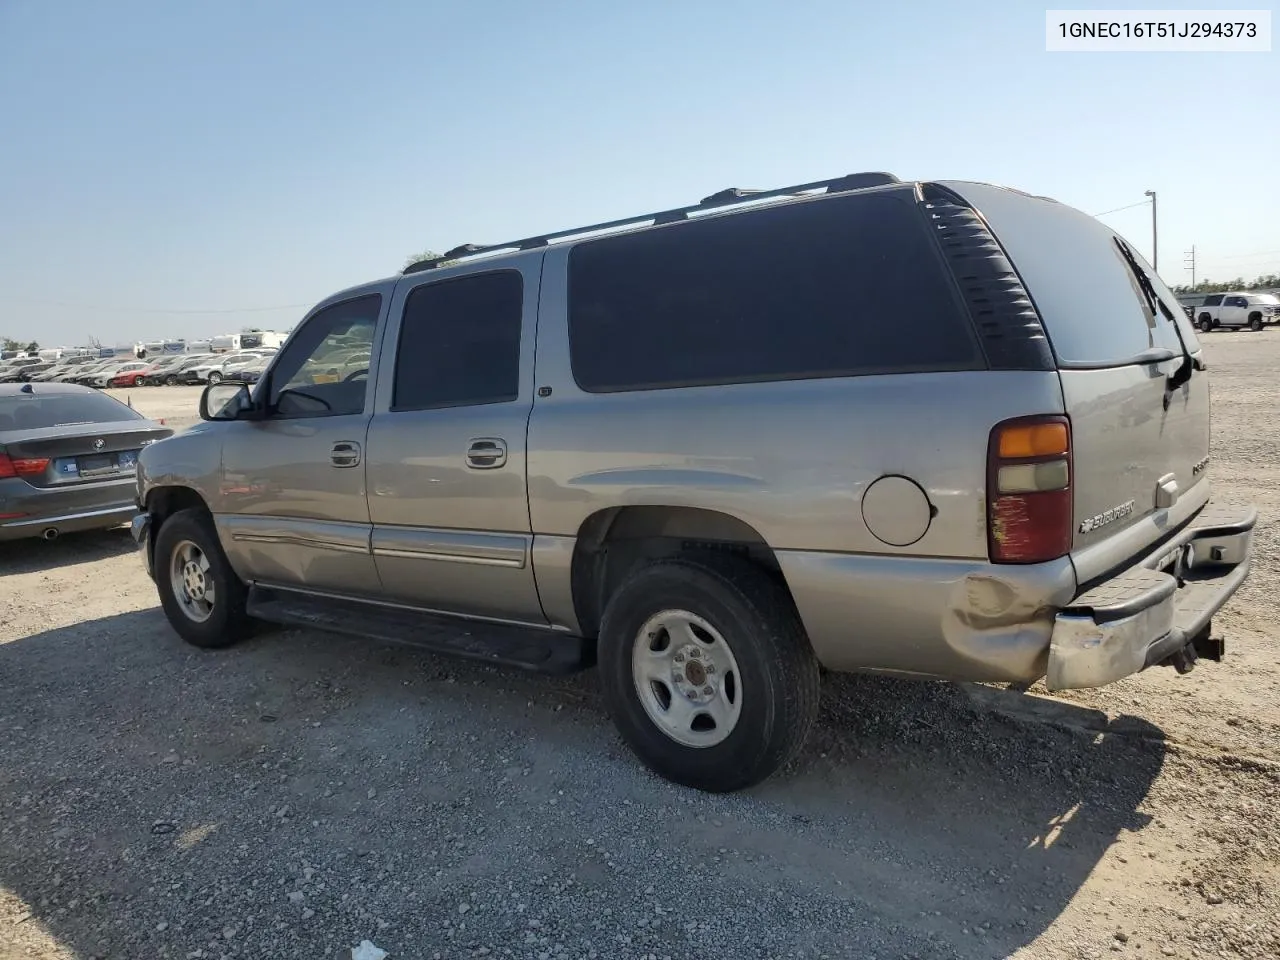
(1107, 516)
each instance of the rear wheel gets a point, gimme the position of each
(214, 377)
(1206, 324)
(201, 595)
(171, 381)
(707, 671)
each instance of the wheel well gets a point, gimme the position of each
(164, 502)
(1256, 315)
(612, 542)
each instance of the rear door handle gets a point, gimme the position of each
(486, 453)
(345, 453)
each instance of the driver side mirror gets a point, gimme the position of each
(227, 401)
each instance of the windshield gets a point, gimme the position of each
(36, 412)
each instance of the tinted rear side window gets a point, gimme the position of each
(828, 288)
(1087, 296)
(35, 412)
(460, 343)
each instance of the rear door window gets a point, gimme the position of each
(460, 343)
(836, 287)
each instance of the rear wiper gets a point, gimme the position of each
(1154, 302)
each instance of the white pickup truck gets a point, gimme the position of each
(1251, 310)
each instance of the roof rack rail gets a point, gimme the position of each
(722, 198)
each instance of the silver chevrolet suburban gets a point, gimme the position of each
(939, 430)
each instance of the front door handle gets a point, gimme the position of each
(486, 453)
(345, 453)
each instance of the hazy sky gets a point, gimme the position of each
(159, 159)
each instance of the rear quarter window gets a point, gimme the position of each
(1085, 293)
(843, 286)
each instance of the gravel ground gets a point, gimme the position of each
(301, 793)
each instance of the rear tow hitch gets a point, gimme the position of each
(1184, 660)
(1201, 645)
(1211, 648)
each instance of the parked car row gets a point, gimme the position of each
(219, 367)
(170, 370)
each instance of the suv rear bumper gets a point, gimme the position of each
(1153, 610)
(960, 619)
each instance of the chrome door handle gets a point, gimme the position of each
(486, 453)
(345, 453)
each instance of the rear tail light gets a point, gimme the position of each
(22, 467)
(1029, 490)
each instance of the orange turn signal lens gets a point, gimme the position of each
(1021, 441)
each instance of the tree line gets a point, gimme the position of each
(1269, 281)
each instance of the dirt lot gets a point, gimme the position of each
(296, 795)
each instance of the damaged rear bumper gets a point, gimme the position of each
(1155, 610)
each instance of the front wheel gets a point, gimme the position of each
(707, 671)
(1255, 323)
(202, 597)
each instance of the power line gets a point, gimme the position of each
(156, 310)
(1140, 203)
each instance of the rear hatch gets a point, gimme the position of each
(59, 440)
(1140, 440)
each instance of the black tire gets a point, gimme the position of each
(171, 381)
(1206, 324)
(1255, 323)
(779, 674)
(215, 378)
(228, 622)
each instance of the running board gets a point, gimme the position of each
(541, 651)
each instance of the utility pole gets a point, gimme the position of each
(1155, 257)
(1190, 264)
